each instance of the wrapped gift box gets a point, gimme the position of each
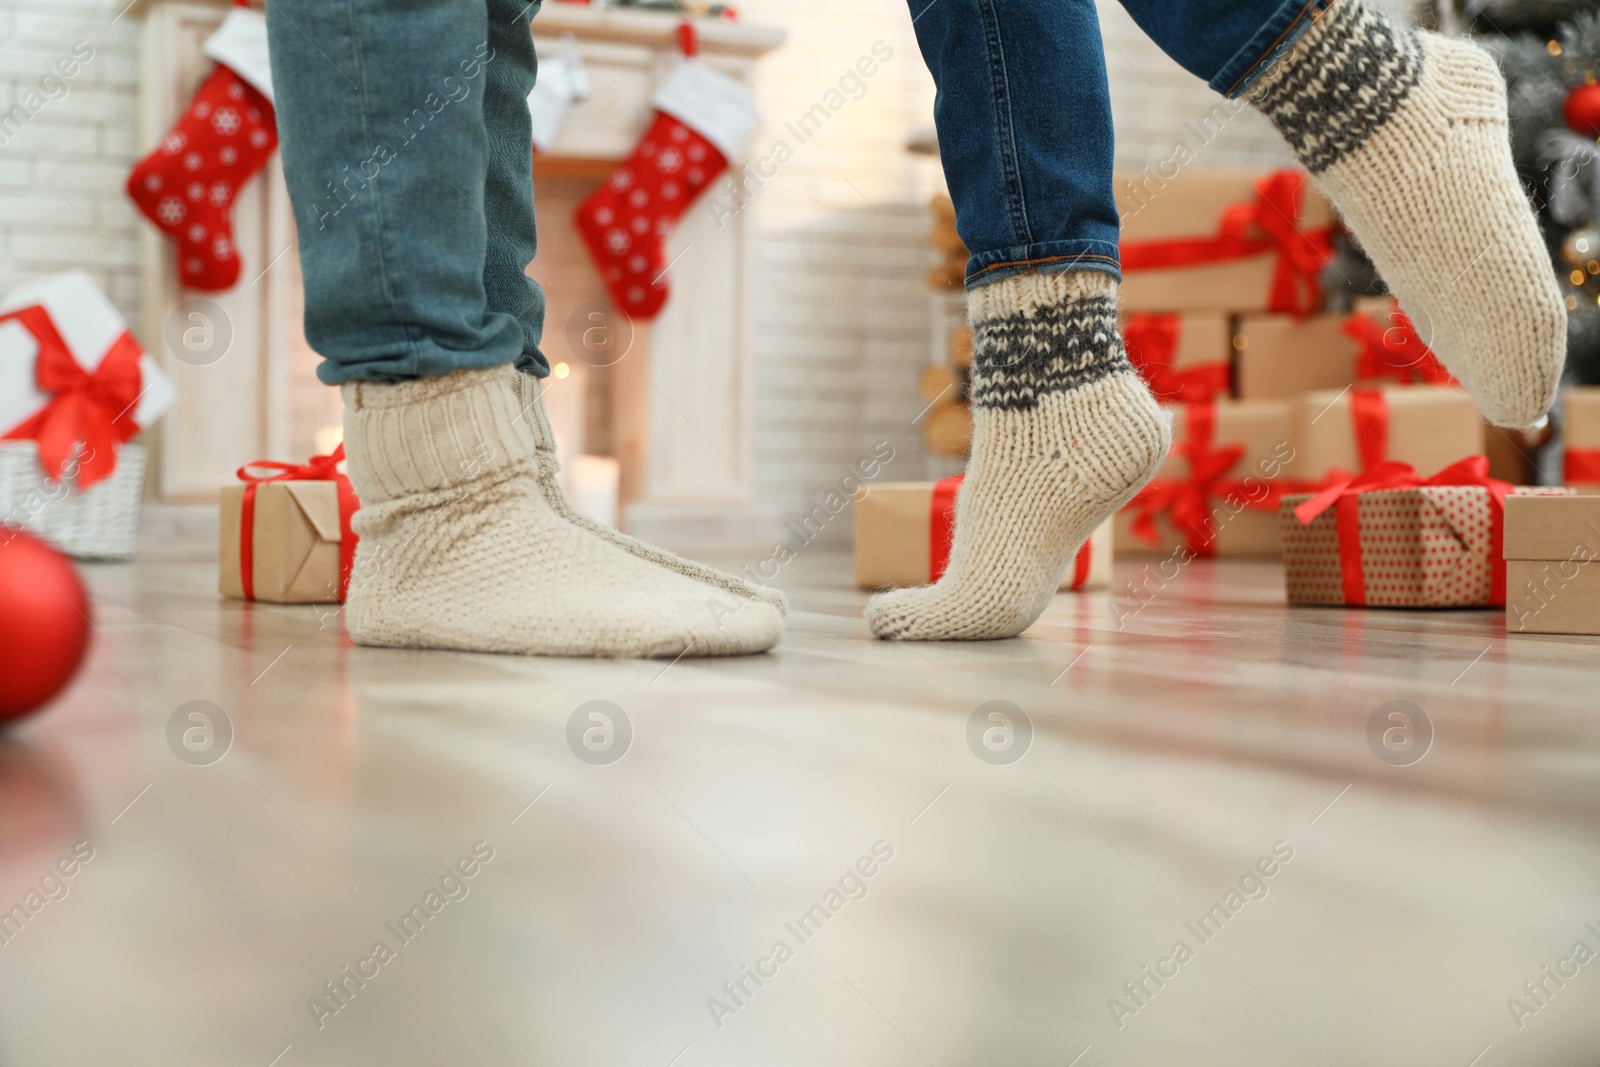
(90, 326)
(1423, 546)
(1581, 431)
(1552, 549)
(1245, 240)
(899, 526)
(1426, 426)
(74, 387)
(295, 543)
(1255, 433)
(1281, 356)
(1184, 358)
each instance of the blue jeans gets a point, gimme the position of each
(1024, 114)
(408, 154)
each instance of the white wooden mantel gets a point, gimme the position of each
(684, 396)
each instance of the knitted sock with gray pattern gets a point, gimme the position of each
(460, 549)
(1407, 134)
(1064, 434)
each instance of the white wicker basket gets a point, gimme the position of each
(102, 523)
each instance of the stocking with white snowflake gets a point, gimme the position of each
(703, 119)
(188, 184)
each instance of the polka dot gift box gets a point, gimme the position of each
(1390, 539)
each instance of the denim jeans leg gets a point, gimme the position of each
(1229, 43)
(1023, 114)
(508, 189)
(381, 122)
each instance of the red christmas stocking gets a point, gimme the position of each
(703, 119)
(187, 185)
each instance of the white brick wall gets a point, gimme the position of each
(61, 170)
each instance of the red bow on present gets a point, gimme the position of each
(94, 409)
(1187, 501)
(1394, 351)
(1152, 344)
(942, 529)
(1344, 492)
(316, 469)
(1270, 221)
(1582, 465)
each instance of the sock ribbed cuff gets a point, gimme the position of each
(428, 434)
(1038, 334)
(1340, 83)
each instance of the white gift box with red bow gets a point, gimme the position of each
(74, 387)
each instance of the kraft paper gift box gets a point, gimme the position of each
(1422, 546)
(1258, 430)
(295, 545)
(900, 527)
(1183, 358)
(1581, 431)
(1280, 356)
(1206, 215)
(1553, 564)
(1427, 426)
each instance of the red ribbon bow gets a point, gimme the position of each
(1187, 501)
(1152, 344)
(316, 469)
(1270, 221)
(1344, 492)
(942, 528)
(94, 409)
(1394, 351)
(1582, 465)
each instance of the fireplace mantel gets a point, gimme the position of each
(683, 398)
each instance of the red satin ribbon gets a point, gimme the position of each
(1394, 351)
(941, 525)
(1269, 222)
(1152, 344)
(316, 469)
(1582, 465)
(1344, 493)
(942, 528)
(95, 409)
(1081, 565)
(1187, 501)
(1369, 416)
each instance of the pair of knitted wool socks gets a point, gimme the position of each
(466, 542)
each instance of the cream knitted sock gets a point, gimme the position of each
(1407, 133)
(1064, 434)
(461, 550)
(530, 399)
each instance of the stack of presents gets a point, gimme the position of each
(1332, 441)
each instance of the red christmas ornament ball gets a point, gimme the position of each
(44, 623)
(1582, 110)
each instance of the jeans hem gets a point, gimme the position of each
(1279, 34)
(1054, 257)
(425, 364)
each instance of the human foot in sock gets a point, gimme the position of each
(530, 400)
(460, 549)
(1064, 434)
(1407, 134)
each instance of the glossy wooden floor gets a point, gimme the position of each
(1214, 736)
